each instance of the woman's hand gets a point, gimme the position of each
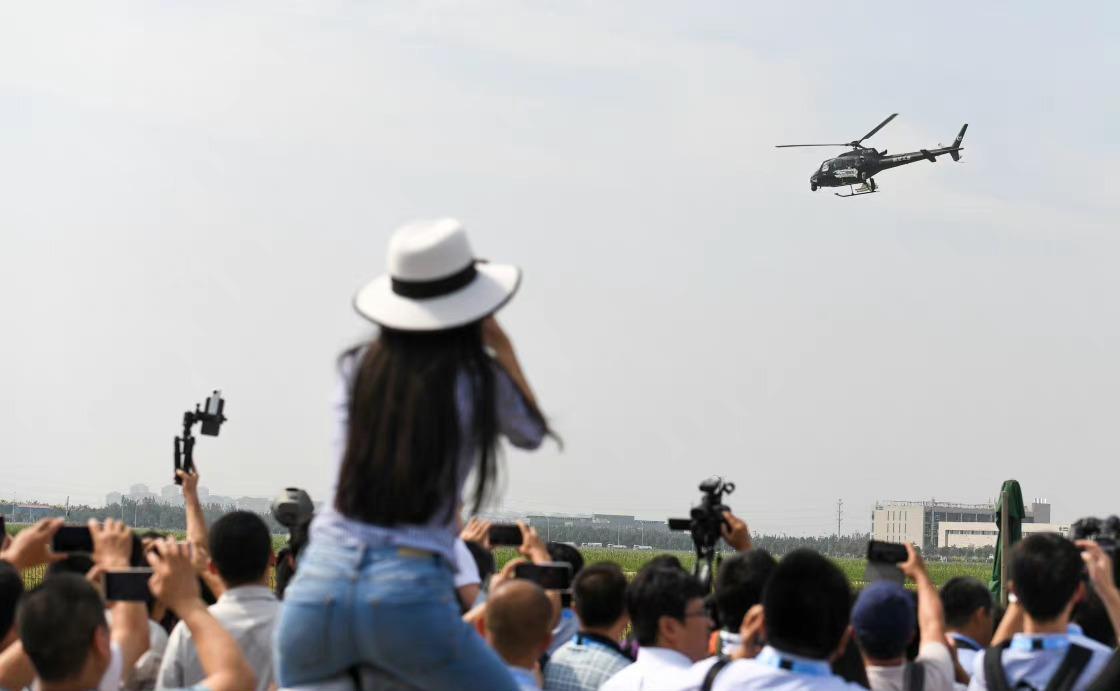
(532, 546)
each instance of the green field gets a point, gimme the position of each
(632, 560)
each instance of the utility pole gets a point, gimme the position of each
(839, 515)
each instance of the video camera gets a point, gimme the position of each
(705, 523)
(294, 510)
(1105, 533)
(211, 418)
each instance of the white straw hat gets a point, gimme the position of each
(434, 280)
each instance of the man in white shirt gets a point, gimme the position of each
(883, 621)
(671, 624)
(805, 609)
(240, 552)
(969, 617)
(1046, 579)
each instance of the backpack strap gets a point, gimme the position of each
(994, 676)
(713, 672)
(1073, 664)
(914, 678)
(1109, 678)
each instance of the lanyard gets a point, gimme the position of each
(773, 658)
(1058, 641)
(591, 642)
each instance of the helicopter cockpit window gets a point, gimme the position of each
(824, 166)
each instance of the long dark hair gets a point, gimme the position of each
(406, 434)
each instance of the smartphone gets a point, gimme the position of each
(129, 585)
(73, 538)
(550, 576)
(886, 552)
(505, 535)
(3, 528)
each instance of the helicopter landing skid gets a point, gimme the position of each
(864, 188)
(868, 187)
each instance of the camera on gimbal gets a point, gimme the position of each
(1105, 533)
(705, 523)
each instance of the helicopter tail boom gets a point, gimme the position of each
(956, 153)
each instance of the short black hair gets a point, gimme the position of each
(961, 596)
(739, 585)
(1045, 568)
(666, 561)
(567, 553)
(57, 622)
(806, 602)
(75, 562)
(599, 594)
(240, 547)
(11, 590)
(658, 591)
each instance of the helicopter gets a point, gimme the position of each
(855, 168)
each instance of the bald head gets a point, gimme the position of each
(519, 621)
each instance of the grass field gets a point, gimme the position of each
(632, 560)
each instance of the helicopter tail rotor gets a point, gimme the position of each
(956, 152)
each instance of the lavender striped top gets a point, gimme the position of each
(515, 422)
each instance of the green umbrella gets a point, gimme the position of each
(1015, 513)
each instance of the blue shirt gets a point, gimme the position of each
(515, 422)
(1030, 668)
(584, 664)
(526, 678)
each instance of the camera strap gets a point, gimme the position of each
(713, 672)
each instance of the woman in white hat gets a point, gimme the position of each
(423, 408)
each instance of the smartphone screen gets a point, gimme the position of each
(552, 576)
(3, 528)
(505, 534)
(130, 585)
(73, 538)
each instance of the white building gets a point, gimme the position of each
(917, 522)
(973, 535)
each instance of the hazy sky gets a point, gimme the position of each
(191, 192)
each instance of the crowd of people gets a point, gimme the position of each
(390, 589)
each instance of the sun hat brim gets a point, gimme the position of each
(491, 288)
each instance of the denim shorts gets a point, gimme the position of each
(351, 605)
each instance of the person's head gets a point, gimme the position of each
(806, 603)
(739, 585)
(884, 621)
(599, 596)
(63, 630)
(11, 590)
(1045, 572)
(668, 561)
(240, 548)
(428, 365)
(666, 607)
(968, 608)
(77, 563)
(483, 559)
(519, 622)
(567, 553)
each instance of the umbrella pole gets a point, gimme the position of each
(1005, 546)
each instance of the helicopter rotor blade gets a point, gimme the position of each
(790, 146)
(880, 126)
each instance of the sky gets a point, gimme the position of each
(192, 192)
